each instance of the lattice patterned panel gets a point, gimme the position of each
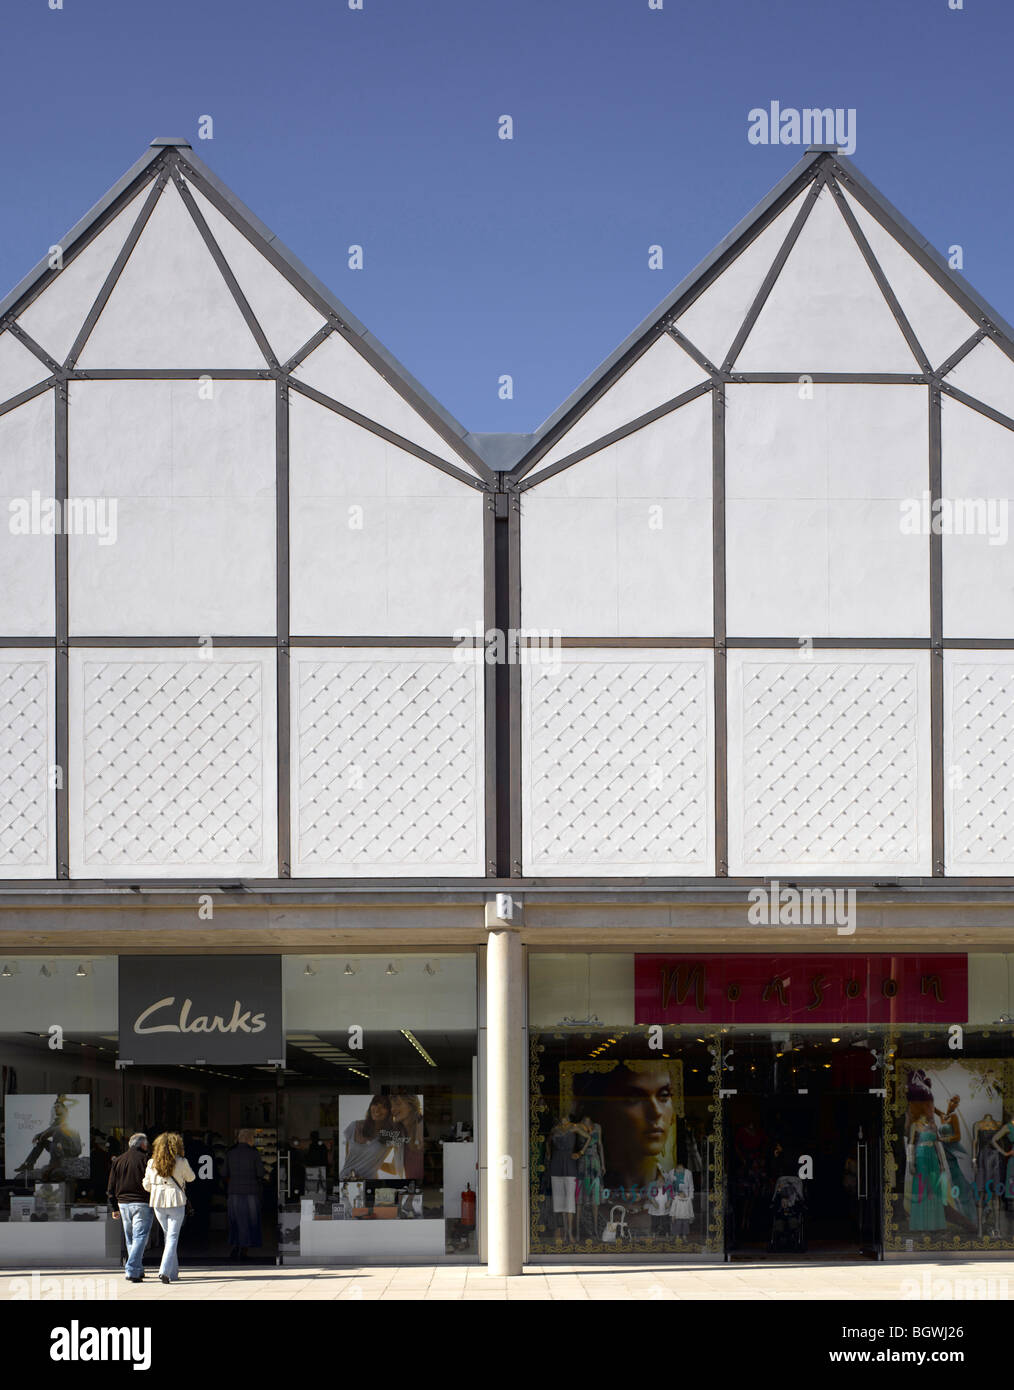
(618, 764)
(978, 757)
(174, 763)
(26, 753)
(387, 763)
(829, 763)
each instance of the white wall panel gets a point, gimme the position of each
(171, 306)
(27, 753)
(342, 373)
(57, 316)
(825, 311)
(712, 321)
(27, 467)
(618, 763)
(829, 762)
(172, 763)
(382, 544)
(940, 324)
(988, 374)
(286, 318)
(193, 481)
(978, 756)
(620, 543)
(387, 762)
(19, 368)
(659, 374)
(814, 488)
(978, 565)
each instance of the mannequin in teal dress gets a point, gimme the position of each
(949, 1131)
(928, 1174)
(1003, 1142)
(591, 1166)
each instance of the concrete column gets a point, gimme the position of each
(505, 1101)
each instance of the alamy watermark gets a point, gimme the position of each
(778, 125)
(775, 906)
(36, 515)
(955, 516)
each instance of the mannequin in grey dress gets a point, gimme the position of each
(988, 1175)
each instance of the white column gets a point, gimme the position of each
(505, 1101)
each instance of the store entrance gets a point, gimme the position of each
(802, 1152)
(209, 1108)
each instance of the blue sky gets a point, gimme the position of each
(528, 257)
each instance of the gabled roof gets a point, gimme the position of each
(529, 449)
(332, 311)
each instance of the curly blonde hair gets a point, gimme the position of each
(166, 1149)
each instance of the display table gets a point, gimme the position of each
(334, 1240)
(59, 1243)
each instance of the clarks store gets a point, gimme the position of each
(355, 1074)
(728, 1106)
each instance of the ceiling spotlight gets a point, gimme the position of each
(390, 969)
(7, 972)
(430, 969)
(309, 969)
(80, 972)
(348, 969)
(45, 971)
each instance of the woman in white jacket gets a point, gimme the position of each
(165, 1180)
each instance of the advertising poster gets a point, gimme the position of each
(953, 1149)
(46, 1138)
(380, 1138)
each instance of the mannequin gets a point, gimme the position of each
(986, 1159)
(561, 1151)
(681, 1212)
(949, 1133)
(1003, 1142)
(927, 1177)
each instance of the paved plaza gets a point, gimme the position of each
(852, 1280)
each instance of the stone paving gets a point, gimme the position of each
(807, 1281)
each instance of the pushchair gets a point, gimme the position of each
(788, 1210)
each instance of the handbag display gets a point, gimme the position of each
(616, 1228)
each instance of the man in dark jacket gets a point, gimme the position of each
(129, 1203)
(244, 1174)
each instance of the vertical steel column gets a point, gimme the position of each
(62, 673)
(515, 867)
(283, 686)
(505, 1102)
(720, 673)
(936, 557)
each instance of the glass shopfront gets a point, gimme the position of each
(745, 1106)
(363, 1116)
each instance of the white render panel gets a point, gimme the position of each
(987, 374)
(620, 543)
(286, 318)
(27, 753)
(171, 306)
(339, 371)
(173, 763)
(28, 470)
(814, 489)
(57, 316)
(712, 321)
(659, 374)
(978, 755)
(381, 543)
(618, 763)
(939, 323)
(829, 762)
(193, 481)
(387, 762)
(825, 311)
(978, 551)
(19, 368)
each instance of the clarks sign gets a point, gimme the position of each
(201, 1008)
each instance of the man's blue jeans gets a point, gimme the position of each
(136, 1218)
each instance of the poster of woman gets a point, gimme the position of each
(46, 1137)
(380, 1137)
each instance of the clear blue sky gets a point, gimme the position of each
(483, 256)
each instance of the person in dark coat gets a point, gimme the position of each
(244, 1174)
(196, 1230)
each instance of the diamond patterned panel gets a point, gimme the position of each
(25, 719)
(617, 766)
(174, 763)
(980, 754)
(387, 762)
(829, 771)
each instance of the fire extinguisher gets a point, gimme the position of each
(468, 1206)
